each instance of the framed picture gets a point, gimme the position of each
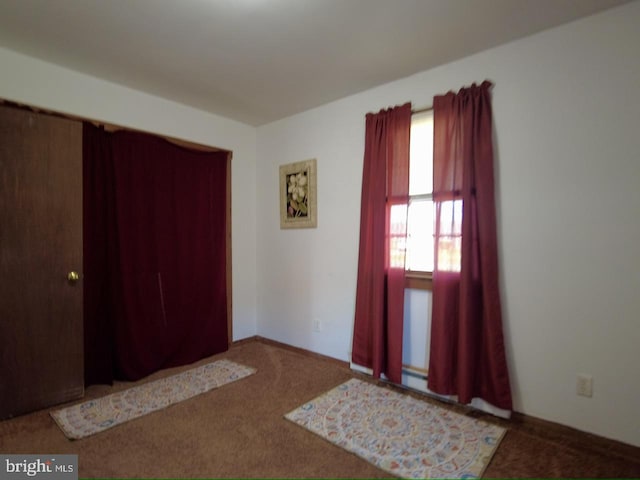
(298, 195)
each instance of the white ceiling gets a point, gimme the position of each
(257, 61)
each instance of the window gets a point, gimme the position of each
(419, 244)
(418, 247)
(419, 254)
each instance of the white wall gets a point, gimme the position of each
(567, 116)
(30, 81)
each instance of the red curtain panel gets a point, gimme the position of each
(166, 254)
(99, 229)
(377, 337)
(467, 352)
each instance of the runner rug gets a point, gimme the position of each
(93, 416)
(400, 434)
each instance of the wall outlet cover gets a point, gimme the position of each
(584, 385)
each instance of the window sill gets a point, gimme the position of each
(418, 280)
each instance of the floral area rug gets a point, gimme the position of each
(400, 434)
(97, 415)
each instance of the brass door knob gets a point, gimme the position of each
(73, 277)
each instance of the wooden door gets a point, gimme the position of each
(41, 339)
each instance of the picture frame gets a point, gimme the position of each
(298, 195)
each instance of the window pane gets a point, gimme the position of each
(421, 154)
(397, 242)
(449, 249)
(451, 217)
(420, 246)
(450, 236)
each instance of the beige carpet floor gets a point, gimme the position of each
(239, 431)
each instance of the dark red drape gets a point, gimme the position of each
(99, 236)
(467, 352)
(377, 336)
(168, 268)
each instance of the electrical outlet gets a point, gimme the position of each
(317, 325)
(584, 385)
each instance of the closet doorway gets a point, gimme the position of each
(43, 277)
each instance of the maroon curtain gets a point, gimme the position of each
(98, 244)
(467, 353)
(167, 273)
(377, 336)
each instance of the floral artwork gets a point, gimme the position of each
(297, 195)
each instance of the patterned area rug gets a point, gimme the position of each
(400, 434)
(97, 415)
